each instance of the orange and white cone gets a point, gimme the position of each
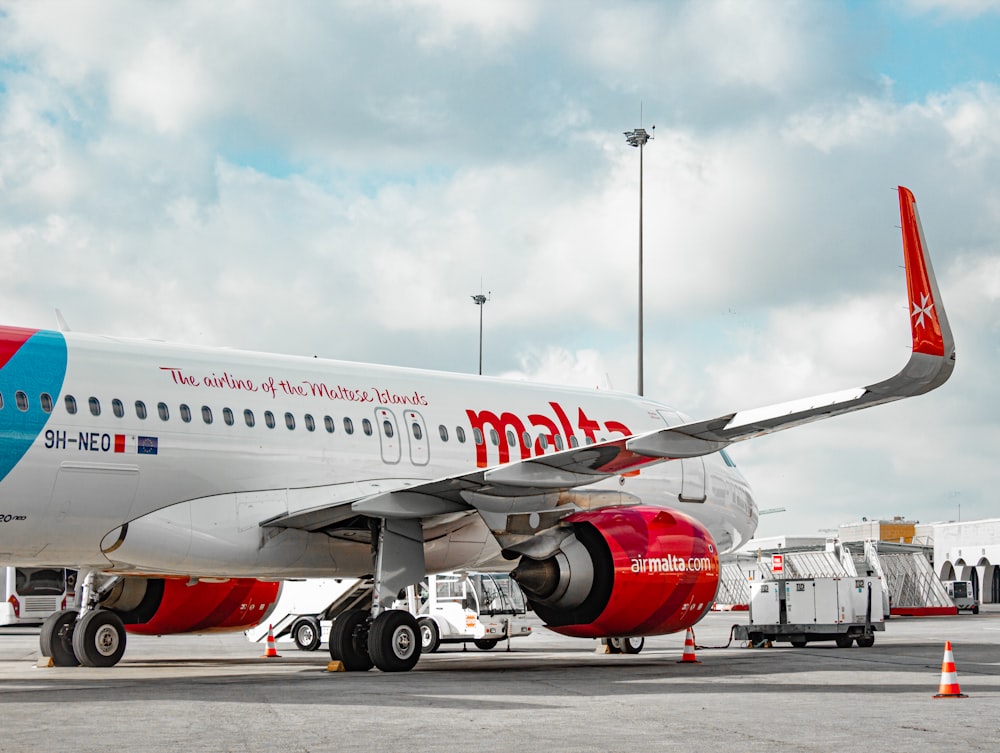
(271, 652)
(688, 656)
(949, 677)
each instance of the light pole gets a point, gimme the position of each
(638, 138)
(480, 300)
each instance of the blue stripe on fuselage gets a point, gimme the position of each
(38, 366)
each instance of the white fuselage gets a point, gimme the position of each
(162, 440)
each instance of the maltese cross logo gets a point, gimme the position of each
(924, 309)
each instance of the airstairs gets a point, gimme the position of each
(909, 584)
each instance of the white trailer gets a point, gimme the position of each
(803, 610)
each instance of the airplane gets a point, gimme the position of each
(183, 483)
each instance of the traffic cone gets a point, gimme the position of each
(271, 652)
(949, 677)
(688, 657)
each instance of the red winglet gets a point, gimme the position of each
(924, 323)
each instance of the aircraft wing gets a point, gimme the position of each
(534, 486)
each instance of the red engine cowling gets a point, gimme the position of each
(628, 571)
(164, 606)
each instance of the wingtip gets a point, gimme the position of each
(928, 323)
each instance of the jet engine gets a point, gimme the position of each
(626, 571)
(164, 606)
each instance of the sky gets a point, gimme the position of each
(339, 178)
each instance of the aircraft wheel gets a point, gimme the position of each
(614, 645)
(798, 644)
(349, 640)
(844, 641)
(99, 639)
(394, 641)
(430, 636)
(56, 638)
(632, 644)
(307, 633)
(865, 641)
(485, 644)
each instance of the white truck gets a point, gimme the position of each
(477, 608)
(845, 610)
(962, 595)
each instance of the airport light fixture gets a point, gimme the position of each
(480, 300)
(638, 138)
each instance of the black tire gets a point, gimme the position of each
(485, 644)
(99, 639)
(307, 633)
(798, 644)
(394, 641)
(632, 644)
(56, 638)
(430, 636)
(865, 641)
(614, 645)
(975, 609)
(349, 640)
(844, 641)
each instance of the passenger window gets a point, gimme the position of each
(1, 401)
(46, 400)
(328, 423)
(348, 425)
(249, 418)
(95, 406)
(387, 428)
(573, 441)
(443, 431)
(418, 433)
(206, 414)
(70, 405)
(526, 438)
(559, 442)
(227, 416)
(494, 437)
(269, 419)
(21, 400)
(366, 427)
(163, 411)
(460, 434)
(478, 436)
(310, 422)
(140, 409)
(118, 408)
(511, 442)
(185, 413)
(289, 421)
(544, 440)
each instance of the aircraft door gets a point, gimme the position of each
(692, 469)
(388, 435)
(417, 430)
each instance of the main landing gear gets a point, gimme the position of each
(92, 637)
(388, 639)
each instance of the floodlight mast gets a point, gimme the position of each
(480, 300)
(638, 138)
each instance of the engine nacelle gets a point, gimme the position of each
(625, 571)
(165, 606)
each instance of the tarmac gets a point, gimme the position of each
(217, 692)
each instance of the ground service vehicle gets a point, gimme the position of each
(963, 595)
(31, 594)
(481, 608)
